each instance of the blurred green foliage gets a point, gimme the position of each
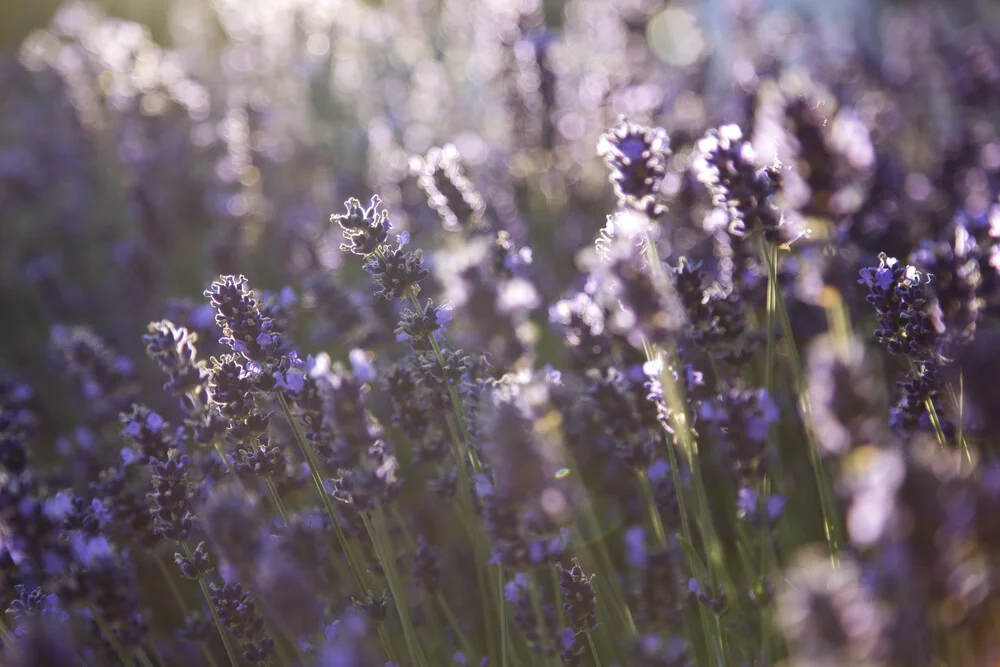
(19, 17)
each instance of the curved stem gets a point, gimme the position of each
(110, 635)
(593, 649)
(455, 627)
(171, 584)
(215, 614)
(313, 464)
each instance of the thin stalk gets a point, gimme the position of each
(931, 411)
(536, 605)
(467, 518)
(215, 614)
(654, 512)
(279, 646)
(798, 376)
(676, 404)
(481, 583)
(208, 654)
(958, 402)
(961, 414)
(771, 305)
(600, 556)
(171, 584)
(387, 644)
(144, 659)
(456, 400)
(225, 459)
(593, 649)
(560, 613)
(386, 557)
(455, 627)
(272, 493)
(110, 635)
(313, 465)
(503, 617)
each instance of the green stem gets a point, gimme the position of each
(827, 506)
(654, 512)
(503, 616)
(272, 493)
(379, 536)
(771, 305)
(110, 635)
(225, 459)
(455, 627)
(215, 614)
(383, 635)
(313, 465)
(171, 584)
(536, 605)
(456, 400)
(144, 659)
(593, 649)
(682, 434)
(208, 654)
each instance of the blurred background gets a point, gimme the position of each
(146, 147)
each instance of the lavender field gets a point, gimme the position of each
(506, 333)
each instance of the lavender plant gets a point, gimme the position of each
(666, 336)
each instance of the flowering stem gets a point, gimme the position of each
(143, 658)
(456, 399)
(769, 255)
(503, 617)
(593, 649)
(682, 435)
(208, 654)
(654, 513)
(958, 402)
(536, 605)
(157, 655)
(225, 460)
(215, 614)
(272, 493)
(455, 627)
(313, 465)
(387, 644)
(110, 635)
(171, 584)
(387, 557)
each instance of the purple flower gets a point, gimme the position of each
(133, 429)
(154, 422)
(88, 550)
(443, 315)
(746, 500)
(129, 456)
(293, 381)
(362, 365)
(635, 543)
(658, 470)
(59, 506)
(775, 507)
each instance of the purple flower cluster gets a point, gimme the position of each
(662, 340)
